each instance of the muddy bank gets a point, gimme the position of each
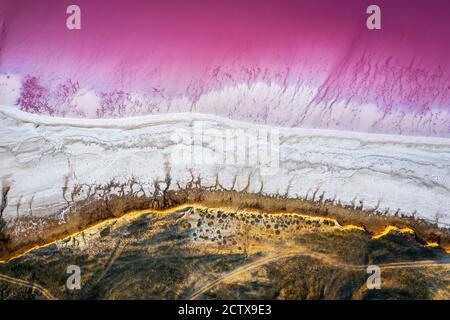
(22, 234)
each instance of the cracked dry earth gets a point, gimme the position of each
(196, 253)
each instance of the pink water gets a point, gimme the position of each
(145, 57)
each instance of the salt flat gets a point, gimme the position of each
(41, 155)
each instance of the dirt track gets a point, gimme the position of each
(325, 258)
(24, 283)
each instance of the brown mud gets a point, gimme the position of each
(23, 234)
